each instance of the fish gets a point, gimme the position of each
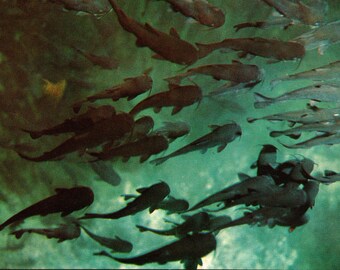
(178, 97)
(195, 224)
(326, 92)
(235, 72)
(297, 11)
(105, 131)
(317, 140)
(169, 47)
(130, 88)
(66, 201)
(106, 172)
(171, 205)
(104, 62)
(78, 124)
(189, 250)
(62, 233)
(91, 7)
(115, 244)
(144, 147)
(142, 127)
(328, 72)
(306, 116)
(219, 136)
(328, 127)
(148, 197)
(277, 21)
(279, 50)
(200, 10)
(266, 160)
(263, 184)
(173, 130)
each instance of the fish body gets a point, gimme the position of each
(173, 130)
(169, 47)
(200, 10)
(109, 130)
(65, 201)
(266, 160)
(91, 7)
(130, 88)
(149, 196)
(268, 48)
(317, 92)
(194, 224)
(261, 184)
(178, 96)
(219, 136)
(317, 140)
(235, 72)
(189, 248)
(77, 124)
(115, 244)
(277, 21)
(142, 127)
(62, 233)
(145, 147)
(106, 172)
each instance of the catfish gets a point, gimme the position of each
(178, 96)
(173, 130)
(106, 131)
(189, 250)
(200, 10)
(62, 233)
(219, 136)
(268, 48)
(277, 21)
(144, 147)
(130, 88)
(78, 124)
(115, 244)
(168, 47)
(142, 127)
(148, 197)
(266, 160)
(65, 201)
(106, 172)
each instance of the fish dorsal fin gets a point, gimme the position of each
(151, 29)
(173, 32)
(214, 127)
(61, 190)
(128, 196)
(141, 190)
(243, 176)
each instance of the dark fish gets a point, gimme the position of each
(200, 10)
(195, 224)
(171, 205)
(296, 10)
(77, 124)
(148, 197)
(277, 21)
(62, 233)
(235, 72)
(188, 250)
(144, 147)
(104, 62)
(269, 48)
(263, 184)
(169, 47)
(130, 88)
(173, 130)
(178, 96)
(142, 127)
(266, 160)
(65, 201)
(108, 130)
(115, 244)
(219, 136)
(106, 172)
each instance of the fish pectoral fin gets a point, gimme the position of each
(214, 127)
(204, 150)
(140, 43)
(242, 176)
(60, 190)
(141, 190)
(173, 32)
(152, 208)
(221, 147)
(128, 196)
(157, 56)
(131, 97)
(125, 159)
(176, 109)
(151, 29)
(157, 109)
(65, 213)
(143, 158)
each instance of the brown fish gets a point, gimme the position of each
(62, 233)
(65, 201)
(269, 48)
(169, 47)
(144, 147)
(178, 96)
(200, 10)
(277, 21)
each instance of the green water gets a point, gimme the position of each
(35, 44)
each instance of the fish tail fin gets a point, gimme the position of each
(18, 234)
(203, 49)
(261, 101)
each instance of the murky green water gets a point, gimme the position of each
(36, 39)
